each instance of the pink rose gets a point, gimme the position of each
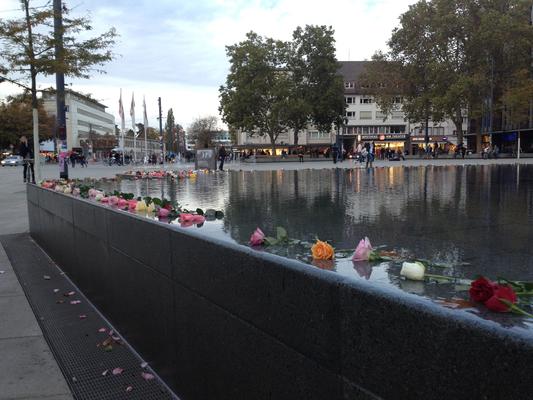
(186, 218)
(122, 203)
(104, 200)
(132, 204)
(93, 192)
(163, 213)
(363, 250)
(113, 200)
(257, 238)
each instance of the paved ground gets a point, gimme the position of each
(29, 371)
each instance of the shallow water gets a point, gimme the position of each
(473, 219)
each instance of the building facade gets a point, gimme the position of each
(365, 122)
(88, 125)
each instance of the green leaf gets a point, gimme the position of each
(157, 201)
(281, 234)
(199, 211)
(147, 200)
(270, 241)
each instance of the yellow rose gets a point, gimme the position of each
(322, 251)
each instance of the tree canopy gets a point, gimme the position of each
(16, 120)
(203, 130)
(274, 86)
(447, 57)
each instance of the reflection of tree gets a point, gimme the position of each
(301, 201)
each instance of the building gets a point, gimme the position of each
(364, 121)
(88, 124)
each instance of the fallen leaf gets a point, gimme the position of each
(117, 371)
(455, 303)
(102, 330)
(115, 338)
(107, 342)
(105, 372)
(129, 389)
(111, 331)
(147, 376)
(69, 294)
(108, 348)
(46, 277)
(144, 365)
(83, 316)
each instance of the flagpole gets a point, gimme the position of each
(122, 125)
(132, 113)
(145, 117)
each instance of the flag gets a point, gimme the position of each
(145, 117)
(132, 114)
(122, 121)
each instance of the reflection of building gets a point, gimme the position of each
(87, 121)
(218, 138)
(366, 122)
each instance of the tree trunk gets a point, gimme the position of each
(296, 132)
(458, 122)
(34, 102)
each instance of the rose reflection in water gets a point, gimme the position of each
(363, 268)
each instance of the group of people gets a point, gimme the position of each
(490, 151)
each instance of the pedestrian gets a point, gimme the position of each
(370, 149)
(335, 152)
(301, 154)
(221, 156)
(26, 152)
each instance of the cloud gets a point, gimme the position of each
(176, 50)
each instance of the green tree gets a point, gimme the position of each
(450, 56)
(16, 120)
(170, 129)
(28, 43)
(317, 88)
(256, 97)
(203, 131)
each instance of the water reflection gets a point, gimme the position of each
(480, 215)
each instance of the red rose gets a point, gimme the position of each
(501, 292)
(482, 289)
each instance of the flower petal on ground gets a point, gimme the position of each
(117, 371)
(146, 376)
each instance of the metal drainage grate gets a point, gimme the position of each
(74, 341)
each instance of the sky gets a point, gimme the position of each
(176, 49)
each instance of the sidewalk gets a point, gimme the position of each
(29, 370)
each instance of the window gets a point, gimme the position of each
(365, 115)
(350, 114)
(380, 115)
(397, 115)
(350, 100)
(318, 135)
(366, 100)
(349, 85)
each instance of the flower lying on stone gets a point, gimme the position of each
(414, 271)
(322, 251)
(192, 218)
(257, 238)
(363, 250)
(163, 212)
(496, 297)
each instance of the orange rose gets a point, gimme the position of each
(322, 251)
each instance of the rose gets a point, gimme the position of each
(501, 292)
(141, 206)
(413, 271)
(482, 289)
(132, 204)
(113, 200)
(76, 191)
(257, 238)
(163, 212)
(363, 250)
(186, 218)
(98, 196)
(122, 203)
(322, 251)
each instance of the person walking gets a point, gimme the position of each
(335, 153)
(301, 154)
(222, 156)
(370, 152)
(26, 152)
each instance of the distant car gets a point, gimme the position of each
(12, 161)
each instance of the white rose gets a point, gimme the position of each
(414, 271)
(67, 190)
(98, 197)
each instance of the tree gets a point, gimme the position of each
(443, 55)
(28, 46)
(317, 88)
(170, 129)
(203, 131)
(256, 97)
(16, 120)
